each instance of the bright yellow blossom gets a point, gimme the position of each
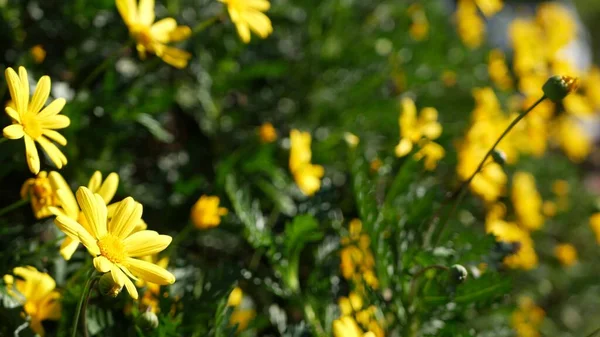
(346, 326)
(114, 246)
(70, 208)
(41, 194)
(527, 201)
(566, 254)
(206, 212)
(471, 27)
(432, 153)
(489, 7)
(267, 133)
(412, 129)
(36, 291)
(241, 315)
(153, 37)
(32, 121)
(498, 70)
(527, 319)
(572, 139)
(307, 175)
(235, 297)
(248, 15)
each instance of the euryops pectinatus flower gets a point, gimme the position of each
(33, 122)
(153, 37)
(114, 247)
(248, 15)
(39, 299)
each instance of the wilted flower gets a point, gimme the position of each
(153, 37)
(39, 299)
(307, 176)
(41, 194)
(206, 212)
(248, 15)
(33, 122)
(113, 244)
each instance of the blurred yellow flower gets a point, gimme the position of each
(525, 258)
(206, 212)
(566, 254)
(235, 297)
(432, 152)
(240, 317)
(33, 123)
(267, 133)
(151, 297)
(559, 26)
(38, 53)
(527, 319)
(153, 37)
(419, 27)
(351, 139)
(527, 201)
(248, 15)
(356, 259)
(307, 176)
(412, 129)
(490, 7)
(574, 141)
(498, 70)
(595, 225)
(41, 194)
(346, 326)
(39, 299)
(70, 208)
(470, 26)
(114, 246)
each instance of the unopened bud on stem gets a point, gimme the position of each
(558, 87)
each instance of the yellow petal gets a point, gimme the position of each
(145, 243)
(95, 181)
(150, 272)
(127, 214)
(146, 12)
(162, 29)
(14, 87)
(33, 159)
(176, 57)
(68, 247)
(243, 30)
(14, 131)
(12, 113)
(259, 23)
(65, 195)
(131, 288)
(40, 96)
(53, 108)
(259, 5)
(56, 156)
(94, 209)
(180, 33)
(55, 136)
(102, 264)
(128, 11)
(404, 147)
(24, 80)
(74, 230)
(55, 122)
(109, 187)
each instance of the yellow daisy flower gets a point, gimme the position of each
(33, 123)
(248, 15)
(36, 290)
(41, 194)
(206, 212)
(153, 37)
(114, 245)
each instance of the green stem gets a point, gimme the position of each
(594, 333)
(102, 66)
(463, 187)
(14, 205)
(2, 140)
(83, 299)
(200, 27)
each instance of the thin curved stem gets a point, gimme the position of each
(83, 299)
(595, 332)
(462, 190)
(200, 27)
(13, 206)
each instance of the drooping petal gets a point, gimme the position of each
(162, 29)
(109, 187)
(259, 23)
(55, 122)
(24, 80)
(12, 113)
(94, 210)
(95, 181)
(180, 33)
(126, 216)
(243, 30)
(55, 136)
(128, 11)
(176, 57)
(53, 108)
(68, 247)
(102, 264)
(40, 96)
(146, 243)
(120, 278)
(33, 159)
(14, 131)
(73, 229)
(14, 87)
(259, 5)
(150, 272)
(117, 275)
(57, 157)
(146, 12)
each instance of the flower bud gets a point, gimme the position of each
(108, 287)
(499, 157)
(147, 321)
(458, 273)
(558, 87)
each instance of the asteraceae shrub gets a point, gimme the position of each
(33, 122)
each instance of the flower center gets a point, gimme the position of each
(31, 126)
(111, 247)
(42, 191)
(141, 34)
